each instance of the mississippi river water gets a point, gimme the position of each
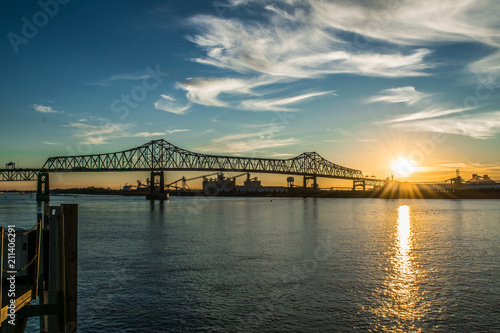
(201, 264)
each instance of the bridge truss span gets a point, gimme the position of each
(18, 174)
(161, 155)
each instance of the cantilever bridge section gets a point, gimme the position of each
(159, 155)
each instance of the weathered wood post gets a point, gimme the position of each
(59, 288)
(70, 213)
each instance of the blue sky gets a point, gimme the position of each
(360, 82)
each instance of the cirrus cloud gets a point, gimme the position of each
(406, 95)
(303, 50)
(477, 126)
(169, 104)
(45, 109)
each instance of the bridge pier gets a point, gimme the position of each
(315, 182)
(159, 194)
(43, 190)
(359, 183)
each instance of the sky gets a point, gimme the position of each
(362, 83)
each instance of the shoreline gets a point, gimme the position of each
(369, 194)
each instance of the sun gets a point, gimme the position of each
(403, 167)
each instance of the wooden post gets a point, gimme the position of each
(55, 290)
(70, 213)
(44, 262)
(61, 278)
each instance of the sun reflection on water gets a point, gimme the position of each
(404, 240)
(400, 308)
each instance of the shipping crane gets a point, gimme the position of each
(184, 181)
(242, 174)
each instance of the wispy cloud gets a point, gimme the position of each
(413, 22)
(246, 145)
(97, 140)
(299, 49)
(169, 104)
(149, 134)
(487, 69)
(99, 134)
(279, 104)
(416, 23)
(121, 77)
(49, 143)
(426, 114)
(282, 155)
(291, 41)
(238, 93)
(153, 134)
(356, 140)
(408, 95)
(478, 126)
(206, 91)
(245, 142)
(87, 130)
(307, 39)
(44, 109)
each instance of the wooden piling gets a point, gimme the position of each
(61, 277)
(55, 285)
(70, 213)
(54, 274)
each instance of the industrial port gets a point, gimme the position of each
(217, 184)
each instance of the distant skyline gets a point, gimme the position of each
(363, 83)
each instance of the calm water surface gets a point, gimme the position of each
(286, 265)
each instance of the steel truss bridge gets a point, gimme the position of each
(160, 155)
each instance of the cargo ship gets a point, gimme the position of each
(136, 190)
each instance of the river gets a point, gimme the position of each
(210, 264)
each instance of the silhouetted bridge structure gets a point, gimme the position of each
(159, 155)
